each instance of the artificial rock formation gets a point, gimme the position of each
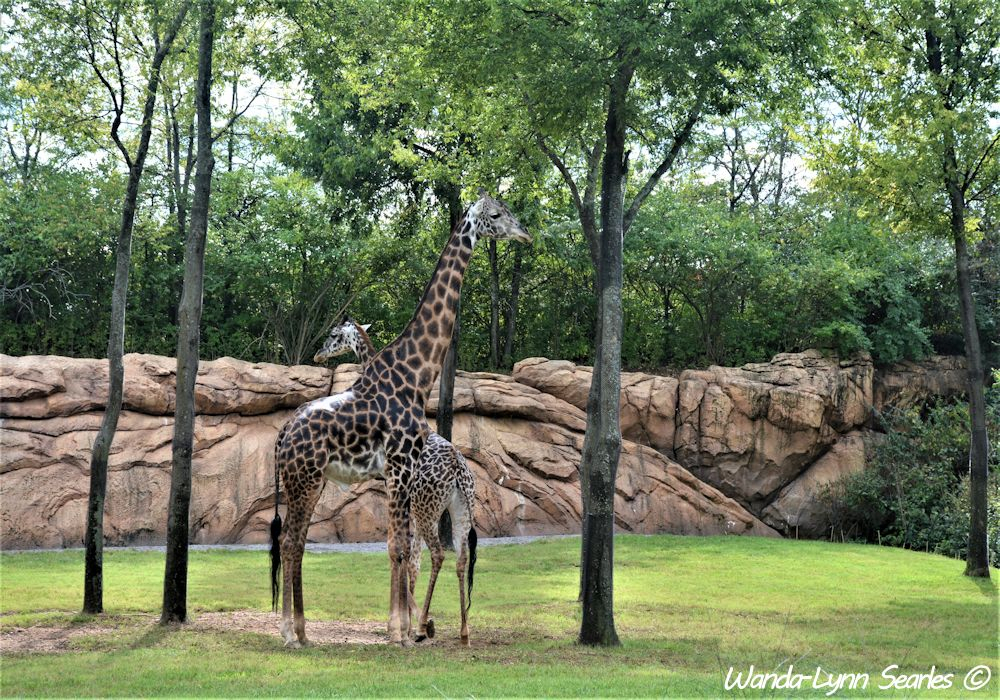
(523, 443)
(724, 450)
(769, 435)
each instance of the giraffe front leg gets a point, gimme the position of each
(399, 613)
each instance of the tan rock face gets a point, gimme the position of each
(798, 510)
(752, 430)
(749, 442)
(648, 401)
(523, 443)
(909, 383)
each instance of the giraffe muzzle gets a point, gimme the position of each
(522, 236)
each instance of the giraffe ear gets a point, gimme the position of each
(482, 193)
(366, 326)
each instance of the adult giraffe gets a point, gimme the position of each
(378, 426)
(442, 481)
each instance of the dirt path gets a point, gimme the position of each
(56, 638)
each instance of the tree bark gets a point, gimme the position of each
(602, 442)
(511, 324)
(977, 557)
(494, 304)
(93, 577)
(446, 390)
(189, 335)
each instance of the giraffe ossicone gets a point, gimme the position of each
(378, 426)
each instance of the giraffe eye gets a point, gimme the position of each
(495, 215)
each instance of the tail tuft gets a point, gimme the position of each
(275, 560)
(472, 563)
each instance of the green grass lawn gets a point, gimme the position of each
(688, 609)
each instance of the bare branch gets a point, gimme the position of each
(237, 115)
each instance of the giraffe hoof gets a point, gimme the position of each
(420, 638)
(430, 629)
(405, 642)
(293, 644)
(465, 642)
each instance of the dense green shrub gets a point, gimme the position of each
(915, 491)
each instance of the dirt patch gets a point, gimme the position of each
(318, 631)
(45, 639)
(49, 638)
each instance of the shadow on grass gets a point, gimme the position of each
(153, 635)
(986, 586)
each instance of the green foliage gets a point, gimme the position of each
(341, 197)
(914, 493)
(56, 237)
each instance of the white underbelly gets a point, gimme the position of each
(354, 471)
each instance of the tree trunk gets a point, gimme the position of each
(494, 305)
(446, 391)
(188, 336)
(665, 347)
(515, 292)
(977, 558)
(93, 577)
(602, 442)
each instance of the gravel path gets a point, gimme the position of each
(315, 547)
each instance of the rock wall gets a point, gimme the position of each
(723, 450)
(769, 435)
(523, 444)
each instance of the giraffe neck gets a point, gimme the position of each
(424, 342)
(363, 347)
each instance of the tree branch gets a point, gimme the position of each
(679, 140)
(563, 170)
(970, 177)
(237, 115)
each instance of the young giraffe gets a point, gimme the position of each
(441, 481)
(377, 426)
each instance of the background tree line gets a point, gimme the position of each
(769, 236)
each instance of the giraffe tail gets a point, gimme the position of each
(472, 564)
(275, 560)
(276, 530)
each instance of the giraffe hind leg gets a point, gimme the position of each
(460, 509)
(426, 629)
(293, 621)
(288, 556)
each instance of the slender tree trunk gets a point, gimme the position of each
(602, 442)
(665, 347)
(515, 292)
(494, 305)
(93, 577)
(446, 390)
(231, 136)
(188, 336)
(977, 558)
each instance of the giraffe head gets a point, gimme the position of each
(490, 218)
(343, 338)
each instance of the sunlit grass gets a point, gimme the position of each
(687, 610)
